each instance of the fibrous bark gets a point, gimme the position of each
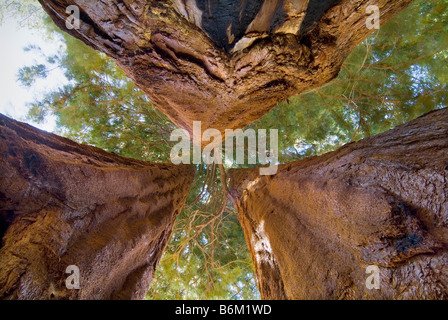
(315, 226)
(65, 204)
(225, 63)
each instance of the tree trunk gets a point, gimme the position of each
(225, 63)
(315, 226)
(66, 204)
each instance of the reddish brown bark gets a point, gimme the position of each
(68, 204)
(176, 51)
(315, 226)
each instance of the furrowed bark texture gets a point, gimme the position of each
(65, 204)
(225, 63)
(315, 226)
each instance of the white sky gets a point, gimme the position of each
(14, 97)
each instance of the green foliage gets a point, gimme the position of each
(207, 257)
(397, 74)
(99, 105)
(28, 75)
(29, 12)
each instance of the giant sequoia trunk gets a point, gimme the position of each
(223, 62)
(64, 204)
(315, 227)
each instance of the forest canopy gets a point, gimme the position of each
(397, 74)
